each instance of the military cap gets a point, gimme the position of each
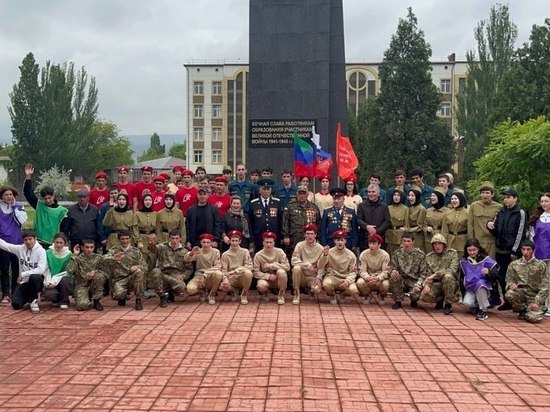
(302, 188)
(221, 179)
(375, 237)
(187, 172)
(510, 192)
(158, 178)
(101, 175)
(178, 168)
(311, 226)
(234, 233)
(269, 235)
(337, 191)
(265, 183)
(147, 169)
(206, 236)
(439, 238)
(487, 186)
(122, 169)
(340, 234)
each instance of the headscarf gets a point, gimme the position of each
(121, 209)
(169, 195)
(143, 208)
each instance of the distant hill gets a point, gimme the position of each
(140, 142)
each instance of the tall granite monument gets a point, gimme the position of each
(297, 78)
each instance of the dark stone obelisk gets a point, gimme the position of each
(297, 72)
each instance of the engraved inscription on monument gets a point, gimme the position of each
(277, 133)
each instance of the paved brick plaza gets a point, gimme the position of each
(315, 357)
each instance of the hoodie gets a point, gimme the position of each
(31, 261)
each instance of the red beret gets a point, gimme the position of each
(269, 235)
(351, 178)
(328, 177)
(165, 176)
(159, 178)
(376, 237)
(206, 236)
(339, 233)
(311, 226)
(187, 172)
(178, 168)
(146, 169)
(101, 175)
(122, 169)
(235, 233)
(221, 179)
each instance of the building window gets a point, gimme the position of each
(216, 134)
(461, 86)
(197, 156)
(198, 135)
(445, 86)
(216, 156)
(445, 110)
(198, 88)
(216, 111)
(217, 88)
(197, 111)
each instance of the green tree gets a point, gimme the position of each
(487, 69)
(517, 156)
(53, 111)
(155, 151)
(177, 150)
(526, 86)
(404, 131)
(55, 177)
(112, 150)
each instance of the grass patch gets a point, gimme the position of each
(31, 213)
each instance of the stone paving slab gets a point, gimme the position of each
(265, 357)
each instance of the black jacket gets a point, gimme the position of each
(510, 229)
(81, 224)
(212, 223)
(372, 213)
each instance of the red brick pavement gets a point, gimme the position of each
(265, 357)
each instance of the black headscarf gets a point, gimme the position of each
(121, 209)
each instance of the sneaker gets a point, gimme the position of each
(163, 300)
(139, 305)
(481, 315)
(448, 309)
(521, 315)
(211, 300)
(281, 300)
(34, 306)
(333, 300)
(296, 300)
(547, 313)
(122, 302)
(244, 300)
(64, 306)
(97, 305)
(414, 303)
(505, 306)
(396, 305)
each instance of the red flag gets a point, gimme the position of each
(345, 156)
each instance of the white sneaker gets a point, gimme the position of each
(296, 300)
(63, 306)
(211, 300)
(281, 300)
(34, 306)
(333, 300)
(244, 300)
(547, 313)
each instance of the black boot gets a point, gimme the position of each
(448, 309)
(521, 315)
(396, 305)
(171, 297)
(122, 302)
(163, 300)
(439, 304)
(139, 306)
(98, 305)
(414, 303)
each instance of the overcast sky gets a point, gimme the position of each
(136, 49)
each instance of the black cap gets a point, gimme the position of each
(265, 182)
(510, 192)
(337, 191)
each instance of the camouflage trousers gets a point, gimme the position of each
(133, 281)
(93, 288)
(521, 301)
(402, 284)
(447, 290)
(304, 280)
(209, 280)
(167, 281)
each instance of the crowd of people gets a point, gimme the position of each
(189, 234)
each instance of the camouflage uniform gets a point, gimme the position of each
(532, 287)
(208, 271)
(337, 266)
(295, 217)
(117, 221)
(79, 267)
(411, 266)
(170, 264)
(445, 284)
(122, 278)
